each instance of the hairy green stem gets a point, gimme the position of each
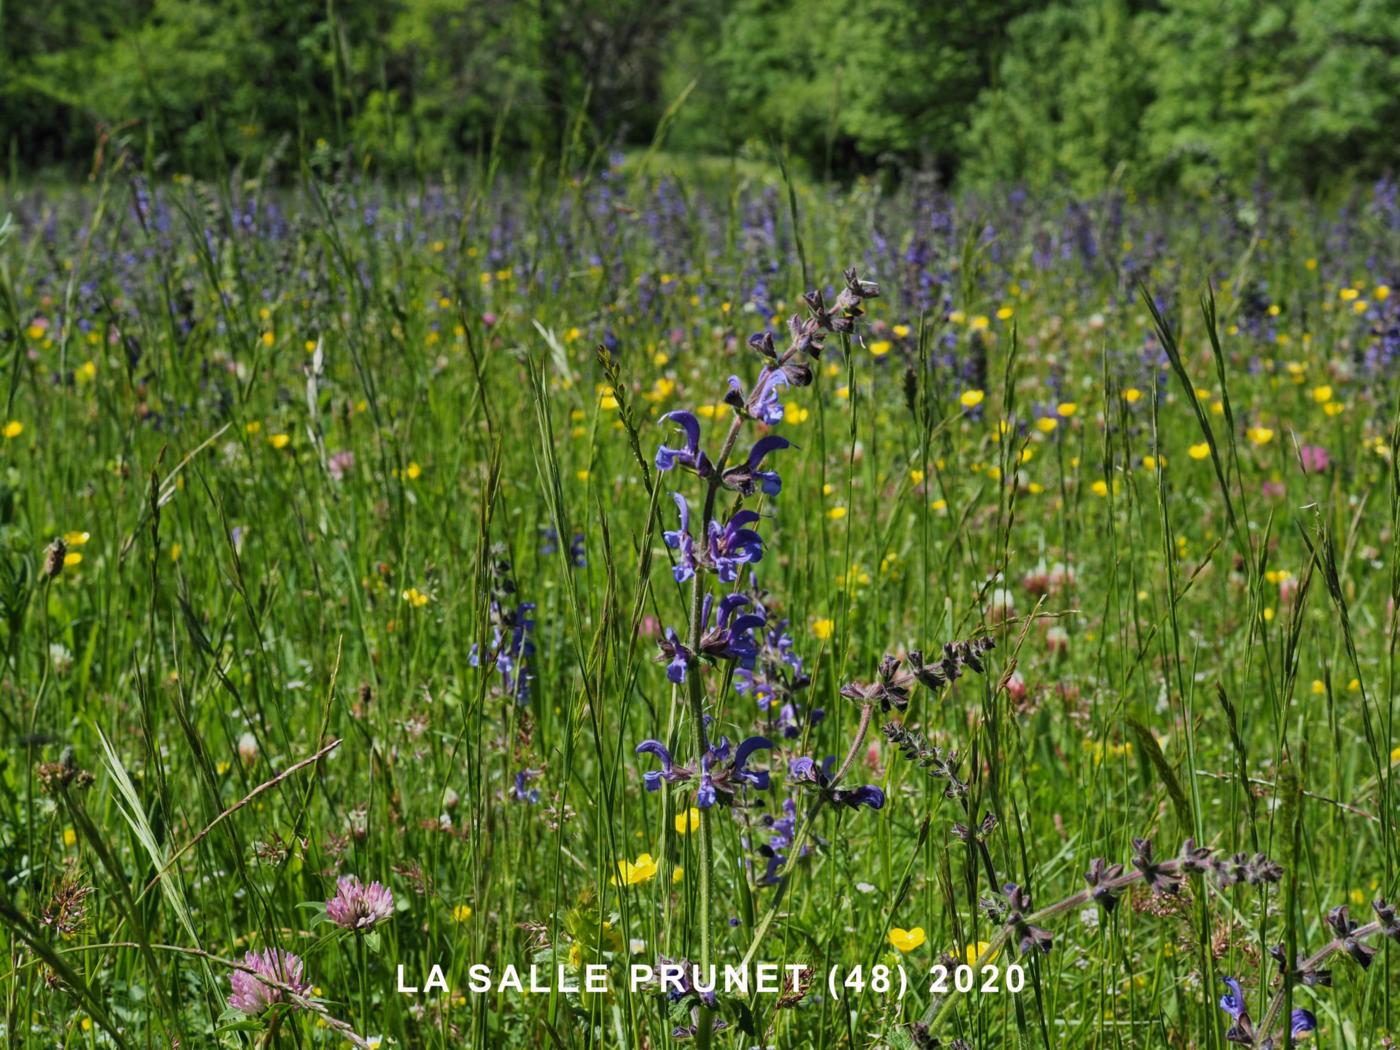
(702, 743)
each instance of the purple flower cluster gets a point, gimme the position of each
(746, 477)
(727, 547)
(805, 771)
(776, 677)
(356, 906)
(1300, 1022)
(719, 774)
(782, 835)
(512, 631)
(260, 984)
(731, 638)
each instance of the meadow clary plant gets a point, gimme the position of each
(731, 627)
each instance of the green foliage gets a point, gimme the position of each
(1304, 90)
(1186, 92)
(1071, 92)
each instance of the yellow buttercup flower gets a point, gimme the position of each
(973, 952)
(13, 429)
(907, 940)
(1132, 395)
(1199, 451)
(415, 597)
(1322, 394)
(971, 398)
(1067, 408)
(635, 872)
(823, 628)
(880, 347)
(279, 441)
(76, 539)
(1099, 488)
(687, 822)
(461, 913)
(1260, 435)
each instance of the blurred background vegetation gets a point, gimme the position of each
(1080, 93)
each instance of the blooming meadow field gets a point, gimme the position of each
(977, 611)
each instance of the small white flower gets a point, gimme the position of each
(248, 748)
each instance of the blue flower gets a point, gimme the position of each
(767, 407)
(733, 545)
(1302, 1022)
(681, 540)
(521, 791)
(731, 638)
(719, 773)
(669, 771)
(1232, 1002)
(690, 456)
(806, 771)
(677, 654)
(747, 477)
(1242, 1031)
(782, 835)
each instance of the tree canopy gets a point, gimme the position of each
(1080, 92)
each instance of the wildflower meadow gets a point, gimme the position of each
(637, 603)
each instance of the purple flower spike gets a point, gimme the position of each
(719, 777)
(356, 906)
(251, 993)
